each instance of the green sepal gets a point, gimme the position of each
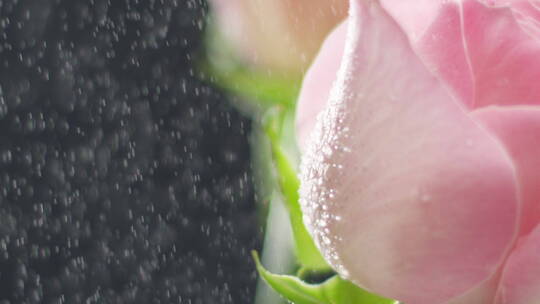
(335, 290)
(307, 253)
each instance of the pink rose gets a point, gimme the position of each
(281, 35)
(421, 178)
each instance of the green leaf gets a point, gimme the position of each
(307, 253)
(254, 86)
(333, 291)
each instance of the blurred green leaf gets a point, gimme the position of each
(307, 253)
(256, 86)
(333, 291)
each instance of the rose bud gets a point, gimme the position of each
(422, 170)
(279, 35)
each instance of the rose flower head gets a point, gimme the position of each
(419, 123)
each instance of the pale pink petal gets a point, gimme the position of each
(518, 128)
(434, 28)
(503, 57)
(317, 84)
(442, 47)
(414, 17)
(480, 51)
(520, 282)
(402, 191)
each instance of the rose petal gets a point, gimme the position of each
(520, 282)
(402, 191)
(318, 82)
(480, 51)
(527, 13)
(415, 17)
(482, 294)
(518, 128)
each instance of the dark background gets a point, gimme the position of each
(124, 177)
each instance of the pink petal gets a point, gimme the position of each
(527, 13)
(318, 82)
(480, 51)
(518, 128)
(414, 17)
(520, 282)
(481, 294)
(401, 190)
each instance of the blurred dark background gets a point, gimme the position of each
(124, 177)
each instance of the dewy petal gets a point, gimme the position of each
(402, 191)
(520, 282)
(480, 51)
(318, 83)
(518, 128)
